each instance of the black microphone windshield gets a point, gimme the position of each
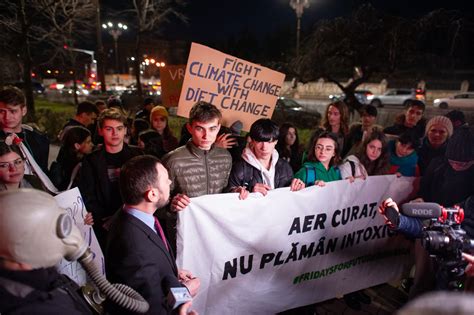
(425, 210)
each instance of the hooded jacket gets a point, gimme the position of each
(249, 172)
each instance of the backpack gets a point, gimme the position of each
(311, 173)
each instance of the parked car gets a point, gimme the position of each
(396, 97)
(464, 100)
(361, 95)
(38, 88)
(288, 110)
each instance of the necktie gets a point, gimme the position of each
(161, 233)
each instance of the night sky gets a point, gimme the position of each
(215, 20)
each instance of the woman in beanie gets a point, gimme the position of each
(159, 122)
(438, 130)
(448, 181)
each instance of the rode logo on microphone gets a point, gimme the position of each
(422, 212)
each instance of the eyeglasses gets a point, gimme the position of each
(16, 164)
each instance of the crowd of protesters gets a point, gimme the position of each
(213, 160)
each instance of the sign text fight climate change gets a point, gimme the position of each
(243, 91)
(232, 85)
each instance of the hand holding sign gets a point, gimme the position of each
(240, 89)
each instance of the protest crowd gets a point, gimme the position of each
(135, 176)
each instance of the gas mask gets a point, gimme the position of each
(34, 230)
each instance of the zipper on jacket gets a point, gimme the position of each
(207, 172)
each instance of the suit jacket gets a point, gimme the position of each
(136, 256)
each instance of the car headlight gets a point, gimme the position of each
(436, 101)
(370, 97)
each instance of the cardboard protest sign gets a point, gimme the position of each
(71, 200)
(171, 82)
(240, 89)
(289, 249)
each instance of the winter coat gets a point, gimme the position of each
(248, 172)
(41, 291)
(197, 172)
(426, 153)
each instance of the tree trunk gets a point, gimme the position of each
(74, 86)
(100, 50)
(27, 63)
(137, 68)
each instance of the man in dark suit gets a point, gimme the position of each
(137, 252)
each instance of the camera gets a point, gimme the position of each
(442, 237)
(445, 240)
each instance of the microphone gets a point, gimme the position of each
(423, 210)
(178, 294)
(393, 216)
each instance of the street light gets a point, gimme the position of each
(298, 6)
(115, 30)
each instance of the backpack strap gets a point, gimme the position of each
(353, 167)
(310, 175)
(248, 177)
(74, 173)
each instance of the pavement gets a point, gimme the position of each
(385, 299)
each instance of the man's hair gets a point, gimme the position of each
(140, 125)
(87, 107)
(264, 130)
(113, 113)
(11, 95)
(100, 103)
(204, 112)
(411, 138)
(137, 176)
(370, 110)
(416, 103)
(148, 101)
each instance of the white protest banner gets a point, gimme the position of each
(267, 254)
(240, 89)
(71, 200)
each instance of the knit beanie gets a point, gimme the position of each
(461, 146)
(159, 110)
(440, 120)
